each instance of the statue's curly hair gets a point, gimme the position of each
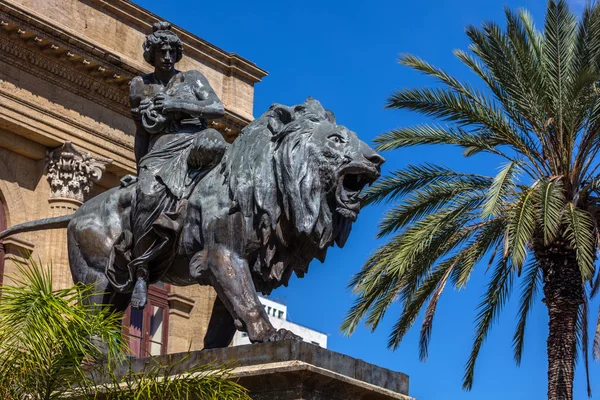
(161, 33)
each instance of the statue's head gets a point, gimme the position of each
(297, 176)
(163, 48)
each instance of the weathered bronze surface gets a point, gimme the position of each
(241, 217)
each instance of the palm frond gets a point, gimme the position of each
(413, 305)
(503, 74)
(423, 66)
(579, 232)
(177, 378)
(430, 199)
(488, 236)
(529, 289)
(45, 334)
(427, 326)
(489, 309)
(596, 350)
(521, 227)
(423, 244)
(559, 49)
(550, 200)
(501, 189)
(415, 177)
(431, 134)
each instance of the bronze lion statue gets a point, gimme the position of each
(285, 190)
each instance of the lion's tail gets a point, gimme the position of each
(40, 224)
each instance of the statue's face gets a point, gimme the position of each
(347, 165)
(164, 58)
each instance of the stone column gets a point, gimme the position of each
(71, 174)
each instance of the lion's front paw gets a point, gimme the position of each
(283, 334)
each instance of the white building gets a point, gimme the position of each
(278, 316)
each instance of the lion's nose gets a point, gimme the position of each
(376, 159)
(372, 156)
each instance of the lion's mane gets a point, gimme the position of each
(275, 184)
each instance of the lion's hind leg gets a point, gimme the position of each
(231, 279)
(84, 273)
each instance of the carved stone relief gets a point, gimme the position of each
(71, 172)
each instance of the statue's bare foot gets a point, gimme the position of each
(283, 334)
(139, 297)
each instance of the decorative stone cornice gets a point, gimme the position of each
(17, 249)
(34, 53)
(230, 63)
(71, 172)
(180, 305)
(42, 48)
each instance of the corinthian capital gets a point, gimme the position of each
(71, 172)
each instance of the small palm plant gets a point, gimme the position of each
(536, 220)
(54, 344)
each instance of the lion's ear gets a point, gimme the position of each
(279, 116)
(330, 116)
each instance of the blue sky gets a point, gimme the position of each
(343, 53)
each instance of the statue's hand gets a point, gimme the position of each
(144, 105)
(168, 105)
(163, 103)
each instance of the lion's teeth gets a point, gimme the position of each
(358, 178)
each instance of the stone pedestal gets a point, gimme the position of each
(293, 370)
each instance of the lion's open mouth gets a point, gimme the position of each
(351, 182)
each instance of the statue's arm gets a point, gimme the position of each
(140, 145)
(206, 105)
(137, 102)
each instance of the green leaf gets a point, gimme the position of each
(414, 304)
(529, 289)
(550, 199)
(430, 134)
(520, 228)
(580, 233)
(597, 338)
(415, 177)
(422, 245)
(489, 308)
(429, 200)
(485, 240)
(558, 51)
(501, 189)
(427, 326)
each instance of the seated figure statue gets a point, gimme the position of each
(173, 150)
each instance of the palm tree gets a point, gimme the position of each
(536, 220)
(53, 345)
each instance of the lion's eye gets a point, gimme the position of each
(336, 138)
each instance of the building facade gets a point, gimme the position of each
(66, 134)
(278, 315)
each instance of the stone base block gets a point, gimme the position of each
(294, 370)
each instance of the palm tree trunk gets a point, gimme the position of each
(563, 296)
